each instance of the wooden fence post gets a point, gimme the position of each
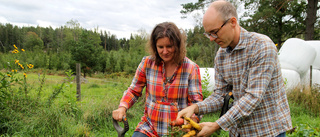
(78, 69)
(310, 77)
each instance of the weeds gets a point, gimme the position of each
(13, 89)
(305, 104)
(307, 98)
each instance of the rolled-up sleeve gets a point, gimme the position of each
(194, 86)
(131, 95)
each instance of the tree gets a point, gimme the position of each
(137, 44)
(47, 37)
(58, 39)
(103, 37)
(312, 9)
(279, 19)
(87, 51)
(74, 26)
(2, 38)
(33, 41)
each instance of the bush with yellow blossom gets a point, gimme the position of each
(15, 73)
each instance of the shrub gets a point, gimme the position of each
(205, 83)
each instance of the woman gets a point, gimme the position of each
(172, 82)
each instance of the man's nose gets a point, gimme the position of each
(212, 38)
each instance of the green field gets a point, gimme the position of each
(52, 109)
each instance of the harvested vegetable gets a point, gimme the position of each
(189, 126)
(194, 124)
(190, 133)
(177, 122)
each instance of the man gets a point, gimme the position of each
(248, 63)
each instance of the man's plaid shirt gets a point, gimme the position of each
(260, 102)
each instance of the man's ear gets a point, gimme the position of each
(233, 21)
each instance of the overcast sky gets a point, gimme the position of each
(119, 17)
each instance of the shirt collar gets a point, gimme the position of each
(240, 44)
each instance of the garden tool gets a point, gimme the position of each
(121, 131)
(226, 105)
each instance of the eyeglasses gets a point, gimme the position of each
(214, 34)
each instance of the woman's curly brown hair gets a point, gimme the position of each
(177, 38)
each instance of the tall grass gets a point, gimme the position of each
(57, 113)
(308, 98)
(305, 111)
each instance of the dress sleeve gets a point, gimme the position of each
(194, 86)
(195, 89)
(131, 95)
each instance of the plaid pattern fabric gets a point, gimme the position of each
(163, 101)
(260, 102)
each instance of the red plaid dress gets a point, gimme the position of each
(163, 99)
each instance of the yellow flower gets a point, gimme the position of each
(22, 50)
(14, 70)
(276, 45)
(15, 46)
(25, 75)
(16, 61)
(9, 75)
(21, 66)
(30, 66)
(15, 51)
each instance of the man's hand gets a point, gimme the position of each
(208, 128)
(119, 113)
(188, 111)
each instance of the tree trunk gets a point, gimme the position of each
(311, 18)
(280, 25)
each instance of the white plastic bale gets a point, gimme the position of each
(291, 78)
(296, 54)
(316, 45)
(315, 77)
(210, 77)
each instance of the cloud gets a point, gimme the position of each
(120, 17)
(3, 20)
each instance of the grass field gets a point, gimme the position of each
(51, 108)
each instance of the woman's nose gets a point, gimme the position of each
(165, 50)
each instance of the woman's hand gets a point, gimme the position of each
(119, 113)
(188, 111)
